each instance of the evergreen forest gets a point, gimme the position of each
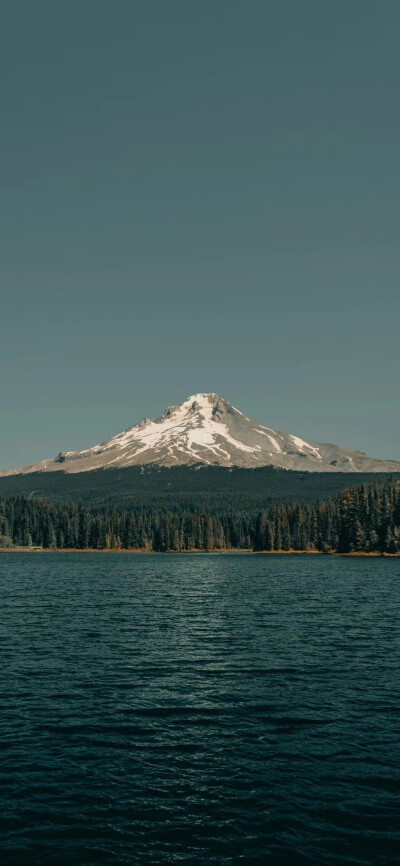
(361, 519)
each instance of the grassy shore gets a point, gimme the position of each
(194, 550)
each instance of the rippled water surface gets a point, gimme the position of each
(199, 709)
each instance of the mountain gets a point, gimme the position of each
(206, 430)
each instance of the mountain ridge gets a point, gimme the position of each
(206, 430)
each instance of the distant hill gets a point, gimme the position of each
(212, 488)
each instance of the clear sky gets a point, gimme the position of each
(199, 196)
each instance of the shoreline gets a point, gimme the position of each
(244, 551)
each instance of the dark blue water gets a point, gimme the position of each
(199, 709)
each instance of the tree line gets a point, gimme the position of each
(362, 519)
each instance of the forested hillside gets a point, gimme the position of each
(214, 489)
(366, 518)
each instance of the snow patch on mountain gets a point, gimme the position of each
(302, 445)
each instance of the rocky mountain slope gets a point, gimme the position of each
(206, 429)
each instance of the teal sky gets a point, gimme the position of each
(199, 197)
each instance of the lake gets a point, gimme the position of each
(199, 709)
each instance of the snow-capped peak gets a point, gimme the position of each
(207, 430)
